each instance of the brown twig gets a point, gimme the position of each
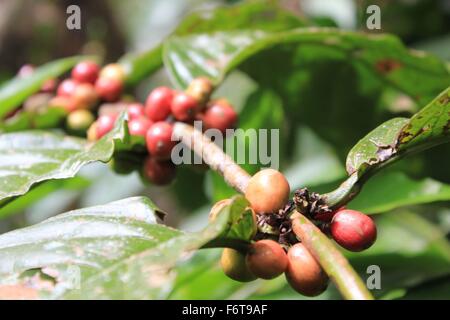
(330, 258)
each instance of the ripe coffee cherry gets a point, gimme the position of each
(234, 266)
(267, 191)
(139, 126)
(157, 106)
(135, 110)
(108, 89)
(184, 107)
(158, 172)
(113, 71)
(220, 115)
(200, 89)
(105, 123)
(80, 120)
(304, 273)
(266, 259)
(66, 88)
(353, 230)
(86, 71)
(85, 95)
(158, 140)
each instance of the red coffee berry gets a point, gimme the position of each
(353, 230)
(158, 140)
(184, 107)
(135, 110)
(267, 191)
(105, 123)
(266, 259)
(234, 266)
(220, 115)
(86, 71)
(158, 172)
(108, 89)
(157, 106)
(139, 126)
(66, 88)
(304, 273)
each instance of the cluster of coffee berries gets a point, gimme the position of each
(153, 123)
(276, 250)
(78, 95)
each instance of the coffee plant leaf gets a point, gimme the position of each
(14, 92)
(30, 157)
(254, 15)
(398, 137)
(42, 119)
(118, 250)
(417, 74)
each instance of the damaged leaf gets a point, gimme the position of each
(114, 251)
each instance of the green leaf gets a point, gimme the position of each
(416, 74)
(39, 191)
(29, 157)
(118, 250)
(257, 15)
(27, 120)
(14, 92)
(394, 189)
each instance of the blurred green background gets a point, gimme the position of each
(413, 250)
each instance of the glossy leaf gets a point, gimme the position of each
(29, 157)
(417, 74)
(14, 92)
(26, 120)
(260, 15)
(117, 250)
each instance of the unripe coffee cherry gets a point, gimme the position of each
(184, 107)
(200, 89)
(234, 266)
(304, 273)
(105, 123)
(91, 133)
(266, 259)
(157, 105)
(139, 126)
(85, 95)
(220, 115)
(135, 110)
(158, 172)
(159, 140)
(66, 88)
(86, 71)
(113, 71)
(108, 89)
(353, 230)
(80, 120)
(267, 191)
